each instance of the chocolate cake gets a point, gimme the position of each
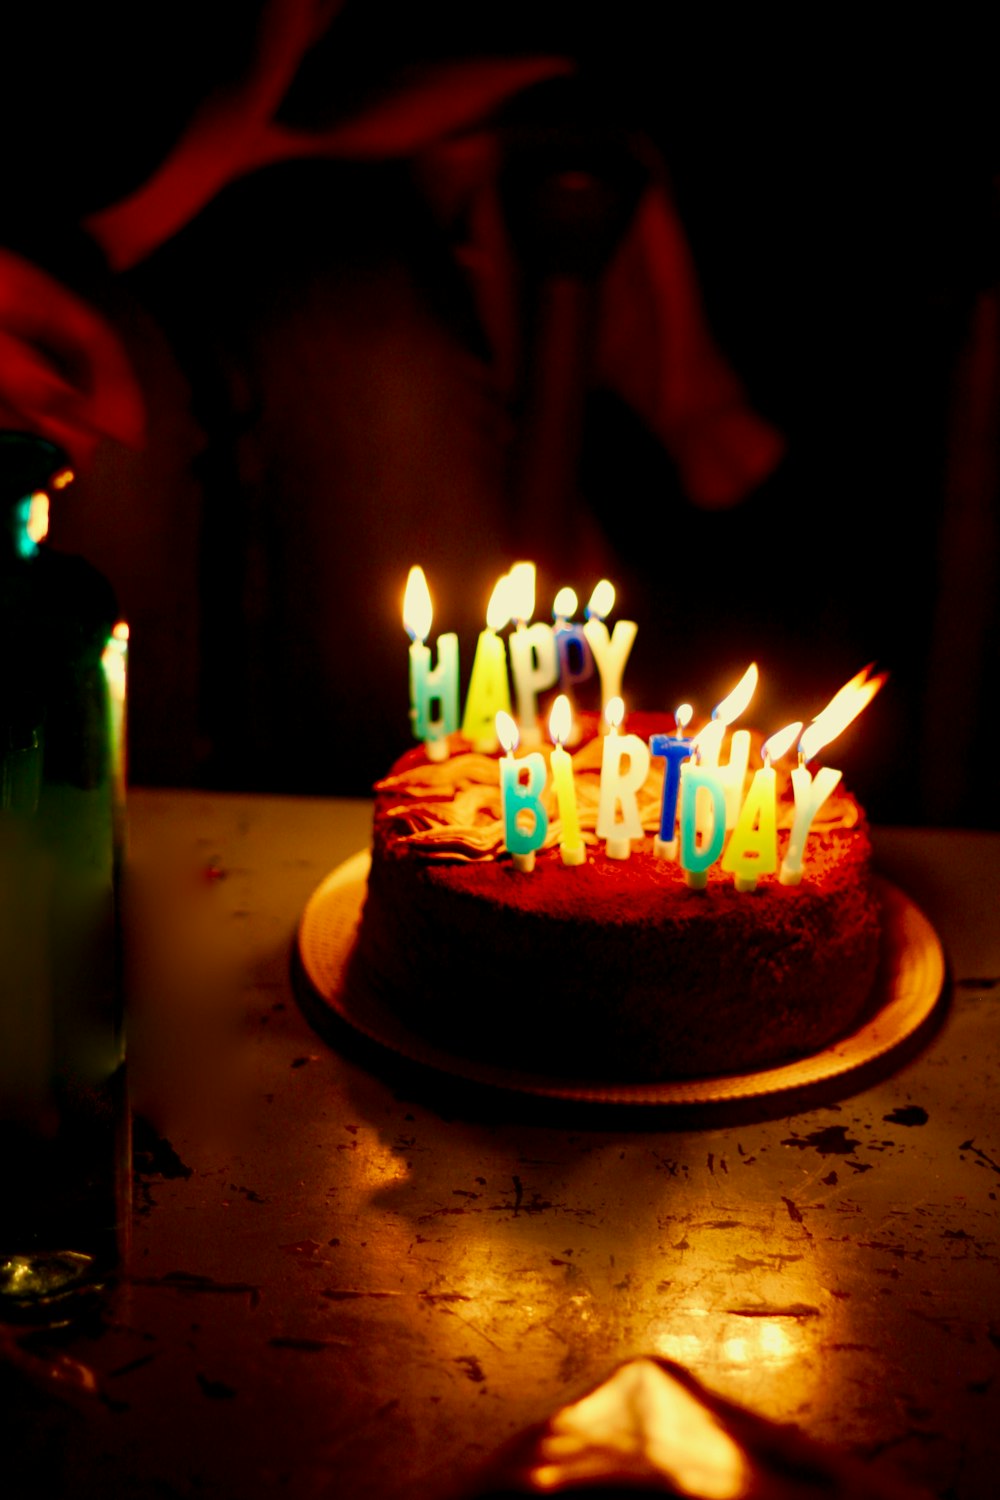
(611, 970)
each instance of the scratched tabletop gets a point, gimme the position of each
(345, 1278)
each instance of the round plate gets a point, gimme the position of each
(910, 984)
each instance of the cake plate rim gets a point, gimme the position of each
(910, 986)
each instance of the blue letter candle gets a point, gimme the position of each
(674, 749)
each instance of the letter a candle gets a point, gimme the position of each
(752, 850)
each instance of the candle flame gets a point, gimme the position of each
(738, 700)
(62, 479)
(780, 742)
(565, 603)
(560, 720)
(507, 731)
(120, 632)
(602, 600)
(38, 517)
(842, 709)
(417, 610)
(521, 598)
(614, 712)
(683, 715)
(498, 611)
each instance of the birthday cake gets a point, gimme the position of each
(611, 968)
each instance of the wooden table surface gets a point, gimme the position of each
(347, 1280)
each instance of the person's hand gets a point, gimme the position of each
(63, 371)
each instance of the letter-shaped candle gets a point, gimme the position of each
(709, 741)
(673, 748)
(521, 785)
(609, 652)
(752, 850)
(430, 684)
(619, 786)
(576, 661)
(571, 845)
(812, 791)
(532, 652)
(702, 837)
(489, 689)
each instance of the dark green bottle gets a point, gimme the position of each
(64, 1135)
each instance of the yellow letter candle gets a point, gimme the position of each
(752, 850)
(812, 791)
(522, 782)
(619, 786)
(489, 689)
(430, 684)
(609, 652)
(571, 845)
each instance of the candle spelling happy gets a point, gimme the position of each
(430, 684)
(752, 850)
(489, 690)
(624, 768)
(525, 821)
(571, 845)
(812, 791)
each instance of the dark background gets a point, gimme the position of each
(319, 419)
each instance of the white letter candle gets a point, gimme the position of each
(534, 667)
(701, 838)
(609, 652)
(811, 792)
(709, 742)
(521, 785)
(619, 786)
(430, 684)
(571, 845)
(489, 689)
(673, 748)
(752, 850)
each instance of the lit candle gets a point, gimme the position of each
(521, 785)
(576, 660)
(571, 846)
(710, 738)
(532, 652)
(619, 786)
(752, 850)
(812, 791)
(430, 684)
(674, 749)
(703, 820)
(609, 652)
(489, 689)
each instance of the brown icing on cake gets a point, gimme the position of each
(611, 970)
